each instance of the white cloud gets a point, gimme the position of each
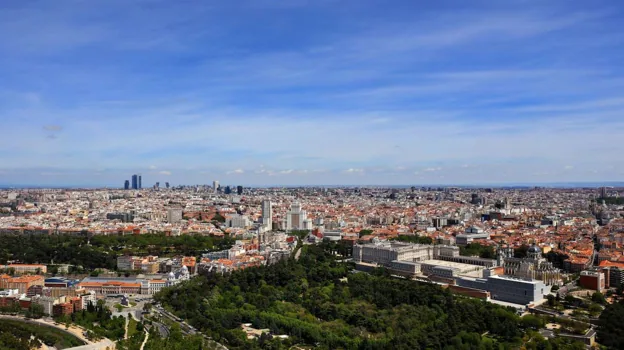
(165, 172)
(354, 170)
(568, 167)
(237, 171)
(386, 99)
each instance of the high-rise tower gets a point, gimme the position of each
(267, 215)
(135, 182)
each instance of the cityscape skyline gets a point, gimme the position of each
(361, 93)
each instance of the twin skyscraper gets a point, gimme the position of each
(136, 183)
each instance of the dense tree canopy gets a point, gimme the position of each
(319, 301)
(102, 251)
(610, 330)
(476, 249)
(611, 200)
(413, 239)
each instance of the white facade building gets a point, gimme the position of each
(296, 218)
(238, 221)
(87, 298)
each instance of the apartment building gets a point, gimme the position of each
(21, 269)
(21, 283)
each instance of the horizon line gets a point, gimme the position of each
(570, 184)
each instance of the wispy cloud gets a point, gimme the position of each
(205, 94)
(354, 171)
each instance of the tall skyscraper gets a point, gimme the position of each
(158, 185)
(135, 182)
(603, 192)
(140, 186)
(215, 185)
(228, 190)
(166, 184)
(267, 213)
(126, 185)
(239, 190)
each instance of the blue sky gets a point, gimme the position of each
(299, 92)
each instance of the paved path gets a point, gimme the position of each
(126, 328)
(145, 340)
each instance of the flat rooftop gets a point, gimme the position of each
(464, 269)
(510, 278)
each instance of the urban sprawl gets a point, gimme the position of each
(514, 246)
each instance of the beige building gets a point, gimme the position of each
(21, 269)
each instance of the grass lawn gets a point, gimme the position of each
(132, 327)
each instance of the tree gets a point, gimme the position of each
(35, 311)
(218, 217)
(552, 301)
(610, 331)
(365, 232)
(570, 299)
(532, 322)
(599, 298)
(595, 309)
